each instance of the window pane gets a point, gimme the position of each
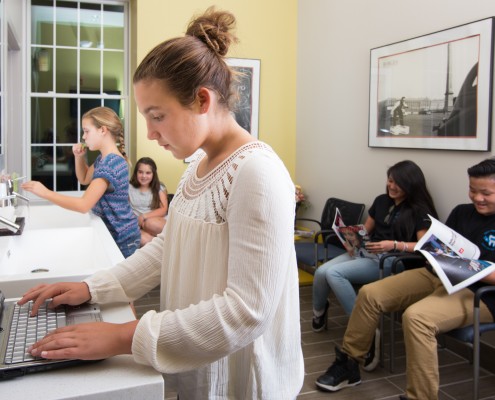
(90, 25)
(113, 27)
(66, 171)
(67, 124)
(90, 70)
(42, 76)
(113, 71)
(115, 105)
(42, 120)
(66, 70)
(66, 23)
(42, 22)
(42, 165)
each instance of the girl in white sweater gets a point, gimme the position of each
(229, 320)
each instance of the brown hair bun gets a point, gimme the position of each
(214, 28)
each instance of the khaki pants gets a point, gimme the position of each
(429, 310)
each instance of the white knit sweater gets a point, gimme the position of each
(229, 325)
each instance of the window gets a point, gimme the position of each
(78, 55)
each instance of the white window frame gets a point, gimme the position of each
(16, 82)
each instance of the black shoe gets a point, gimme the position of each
(402, 398)
(342, 373)
(372, 358)
(320, 323)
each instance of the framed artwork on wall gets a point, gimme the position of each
(247, 88)
(434, 91)
(247, 91)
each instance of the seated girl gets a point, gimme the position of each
(148, 198)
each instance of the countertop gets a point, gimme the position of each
(118, 378)
(54, 238)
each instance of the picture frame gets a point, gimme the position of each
(247, 89)
(434, 91)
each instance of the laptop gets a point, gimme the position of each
(18, 331)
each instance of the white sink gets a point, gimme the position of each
(49, 216)
(56, 245)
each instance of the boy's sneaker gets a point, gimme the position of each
(372, 358)
(320, 323)
(342, 373)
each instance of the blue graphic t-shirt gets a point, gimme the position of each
(114, 207)
(479, 229)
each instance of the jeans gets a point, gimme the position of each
(340, 274)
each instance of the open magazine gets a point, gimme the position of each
(352, 237)
(453, 257)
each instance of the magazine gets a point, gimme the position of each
(353, 237)
(453, 257)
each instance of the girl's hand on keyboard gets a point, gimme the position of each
(71, 293)
(90, 341)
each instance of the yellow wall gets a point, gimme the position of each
(267, 31)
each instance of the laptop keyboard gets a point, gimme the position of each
(26, 330)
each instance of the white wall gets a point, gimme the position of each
(15, 88)
(333, 158)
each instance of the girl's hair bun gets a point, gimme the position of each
(214, 28)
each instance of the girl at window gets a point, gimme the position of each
(148, 197)
(108, 178)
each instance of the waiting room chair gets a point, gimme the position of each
(469, 335)
(325, 244)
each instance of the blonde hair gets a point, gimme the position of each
(196, 60)
(104, 116)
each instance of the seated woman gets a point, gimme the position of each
(396, 221)
(148, 198)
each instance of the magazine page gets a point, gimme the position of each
(454, 241)
(354, 237)
(338, 223)
(453, 257)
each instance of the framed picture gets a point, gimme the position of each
(247, 91)
(434, 91)
(247, 87)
